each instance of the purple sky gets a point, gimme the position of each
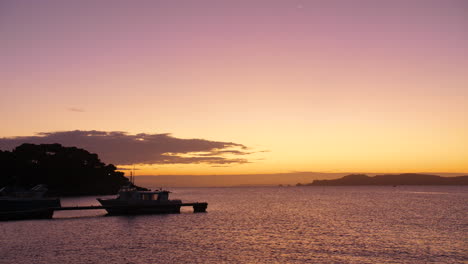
(327, 77)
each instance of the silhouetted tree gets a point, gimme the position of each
(66, 170)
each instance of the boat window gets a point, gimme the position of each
(163, 196)
(147, 196)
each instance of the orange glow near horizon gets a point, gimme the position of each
(316, 88)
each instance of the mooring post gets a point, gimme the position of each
(200, 207)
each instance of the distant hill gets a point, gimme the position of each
(273, 179)
(65, 170)
(390, 179)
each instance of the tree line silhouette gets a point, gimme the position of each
(67, 171)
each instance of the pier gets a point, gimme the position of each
(47, 212)
(197, 207)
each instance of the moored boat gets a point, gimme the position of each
(18, 204)
(132, 201)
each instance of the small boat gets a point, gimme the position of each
(131, 201)
(18, 203)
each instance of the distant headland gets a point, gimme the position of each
(391, 179)
(66, 171)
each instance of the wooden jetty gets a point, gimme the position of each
(47, 212)
(197, 207)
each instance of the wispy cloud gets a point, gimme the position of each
(127, 169)
(122, 148)
(75, 109)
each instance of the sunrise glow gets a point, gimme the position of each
(303, 85)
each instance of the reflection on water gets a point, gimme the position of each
(257, 225)
(429, 192)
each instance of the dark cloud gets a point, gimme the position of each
(222, 152)
(121, 148)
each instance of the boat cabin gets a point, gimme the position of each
(133, 194)
(159, 195)
(37, 191)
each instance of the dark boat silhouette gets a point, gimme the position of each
(131, 201)
(17, 203)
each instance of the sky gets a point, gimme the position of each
(240, 87)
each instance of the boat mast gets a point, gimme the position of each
(132, 179)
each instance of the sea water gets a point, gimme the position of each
(404, 224)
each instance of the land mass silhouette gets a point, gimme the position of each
(71, 171)
(67, 171)
(391, 179)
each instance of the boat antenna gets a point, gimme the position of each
(133, 175)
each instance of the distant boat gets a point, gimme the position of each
(131, 201)
(17, 203)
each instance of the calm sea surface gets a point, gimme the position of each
(258, 225)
